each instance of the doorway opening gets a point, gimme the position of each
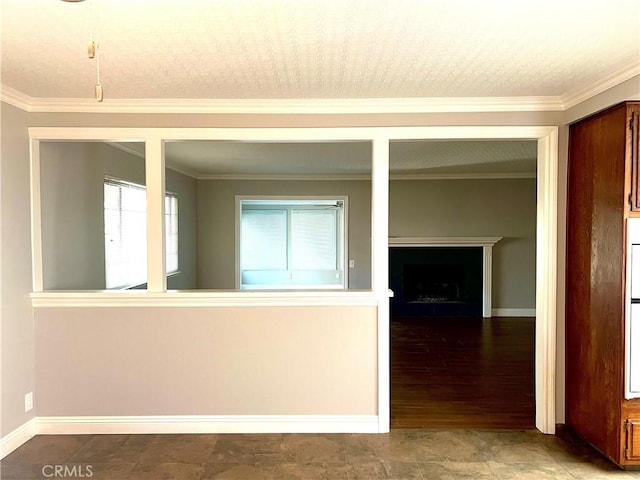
(454, 362)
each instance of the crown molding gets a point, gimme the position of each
(337, 177)
(168, 163)
(462, 176)
(126, 149)
(558, 103)
(269, 177)
(284, 106)
(614, 77)
(15, 97)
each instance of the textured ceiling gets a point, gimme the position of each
(202, 158)
(277, 49)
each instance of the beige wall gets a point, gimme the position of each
(476, 208)
(206, 361)
(16, 322)
(72, 185)
(216, 224)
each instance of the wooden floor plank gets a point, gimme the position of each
(462, 372)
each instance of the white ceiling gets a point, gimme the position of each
(317, 49)
(411, 158)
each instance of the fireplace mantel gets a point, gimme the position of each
(443, 241)
(486, 243)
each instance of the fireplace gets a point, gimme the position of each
(433, 283)
(436, 281)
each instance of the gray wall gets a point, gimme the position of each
(488, 208)
(503, 208)
(17, 375)
(216, 224)
(72, 186)
(185, 187)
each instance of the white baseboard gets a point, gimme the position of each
(210, 424)
(513, 312)
(20, 435)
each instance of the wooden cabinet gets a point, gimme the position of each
(633, 148)
(603, 192)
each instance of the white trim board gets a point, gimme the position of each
(513, 312)
(546, 218)
(189, 424)
(205, 298)
(17, 437)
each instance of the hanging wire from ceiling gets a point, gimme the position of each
(93, 48)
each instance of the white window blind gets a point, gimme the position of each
(314, 240)
(171, 231)
(264, 240)
(291, 244)
(125, 231)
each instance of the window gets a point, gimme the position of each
(292, 243)
(125, 234)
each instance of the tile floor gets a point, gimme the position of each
(402, 454)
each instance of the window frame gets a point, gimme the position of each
(342, 237)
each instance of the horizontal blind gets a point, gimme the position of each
(263, 240)
(171, 231)
(313, 240)
(125, 229)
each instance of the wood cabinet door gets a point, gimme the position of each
(632, 450)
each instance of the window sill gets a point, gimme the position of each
(207, 298)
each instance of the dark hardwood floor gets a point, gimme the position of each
(462, 372)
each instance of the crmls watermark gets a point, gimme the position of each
(67, 471)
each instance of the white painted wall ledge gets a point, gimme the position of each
(207, 298)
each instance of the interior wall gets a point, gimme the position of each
(72, 188)
(186, 188)
(17, 369)
(217, 224)
(476, 208)
(13, 336)
(206, 361)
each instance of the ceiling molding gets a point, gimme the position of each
(325, 105)
(392, 176)
(609, 80)
(462, 176)
(168, 163)
(285, 106)
(180, 169)
(15, 97)
(126, 148)
(282, 177)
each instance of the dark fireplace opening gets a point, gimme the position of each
(433, 283)
(436, 281)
